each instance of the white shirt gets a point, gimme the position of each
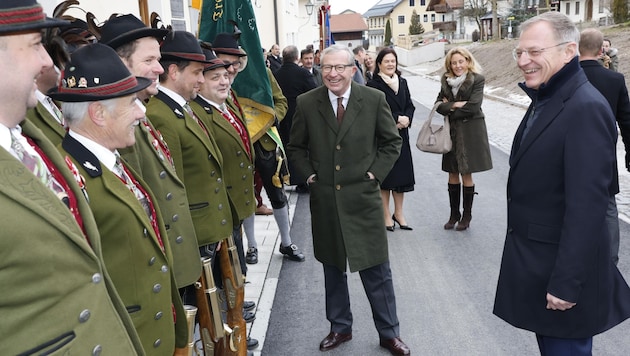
(5, 140)
(333, 99)
(173, 95)
(103, 154)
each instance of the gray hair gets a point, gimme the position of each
(563, 28)
(335, 49)
(74, 113)
(290, 54)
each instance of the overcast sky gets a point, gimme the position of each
(360, 6)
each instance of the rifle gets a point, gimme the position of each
(211, 325)
(233, 285)
(191, 312)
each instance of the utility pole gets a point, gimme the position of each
(495, 22)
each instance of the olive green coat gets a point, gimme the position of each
(170, 193)
(140, 269)
(43, 119)
(238, 165)
(198, 163)
(53, 280)
(346, 207)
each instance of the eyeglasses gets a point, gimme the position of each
(532, 53)
(340, 68)
(235, 64)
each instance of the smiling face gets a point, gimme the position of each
(217, 85)
(22, 60)
(459, 64)
(388, 65)
(120, 121)
(539, 68)
(188, 81)
(236, 64)
(337, 82)
(145, 62)
(307, 60)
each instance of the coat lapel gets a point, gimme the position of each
(352, 111)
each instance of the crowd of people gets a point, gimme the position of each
(130, 164)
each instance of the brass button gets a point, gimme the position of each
(338, 147)
(338, 187)
(337, 167)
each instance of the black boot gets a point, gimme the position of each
(469, 193)
(453, 197)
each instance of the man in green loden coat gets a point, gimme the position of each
(345, 141)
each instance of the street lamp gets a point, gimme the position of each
(309, 7)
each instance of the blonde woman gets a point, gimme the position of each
(460, 96)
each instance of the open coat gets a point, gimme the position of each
(346, 208)
(557, 192)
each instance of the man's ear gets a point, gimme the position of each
(173, 71)
(570, 51)
(96, 112)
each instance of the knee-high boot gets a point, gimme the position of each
(454, 191)
(469, 193)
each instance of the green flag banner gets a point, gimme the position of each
(252, 84)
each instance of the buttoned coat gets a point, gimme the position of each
(557, 241)
(471, 150)
(198, 162)
(140, 269)
(57, 295)
(401, 174)
(238, 164)
(346, 209)
(43, 119)
(157, 171)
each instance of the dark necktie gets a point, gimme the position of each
(190, 112)
(36, 165)
(340, 110)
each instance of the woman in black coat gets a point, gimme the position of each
(460, 98)
(400, 180)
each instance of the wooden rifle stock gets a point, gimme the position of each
(233, 285)
(211, 325)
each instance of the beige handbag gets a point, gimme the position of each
(435, 138)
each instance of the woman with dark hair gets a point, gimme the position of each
(400, 179)
(460, 98)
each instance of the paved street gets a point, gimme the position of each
(444, 280)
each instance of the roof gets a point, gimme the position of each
(347, 23)
(382, 8)
(452, 4)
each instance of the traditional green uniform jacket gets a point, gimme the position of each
(238, 164)
(198, 162)
(280, 106)
(56, 293)
(139, 267)
(151, 157)
(346, 207)
(43, 119)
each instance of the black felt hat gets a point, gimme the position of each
(213, 61)
(95, 72)
(182, 46)
(226, 43)
(24, 15)
(123, 29)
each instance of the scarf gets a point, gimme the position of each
(456, 82)
(392, 81)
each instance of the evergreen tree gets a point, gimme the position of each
(415, 28)
(388, 34)
(620, 11)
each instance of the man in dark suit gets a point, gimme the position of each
(557, 278)
(57, 296)
(345, 141)
(307, 57)
(293, 81)
(99, 103)
(613, 86)
(275, 61)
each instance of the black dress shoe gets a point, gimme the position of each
(251, 258)
(333, 340)
(251, 343)
(396, 346)
(402, 227)
(249, 316)
(301, 189)
(248, 305)
(292, 252)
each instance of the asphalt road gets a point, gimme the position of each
(444, 280)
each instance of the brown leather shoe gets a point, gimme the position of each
(333, 340)
(396, 346)
(263, 210)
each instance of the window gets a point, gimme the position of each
(412, 3)
(425, 18)
(401, 19)
(423, 2)
(601, 6)
(567, 9)
(432, 17)
(577, 7)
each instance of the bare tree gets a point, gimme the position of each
(476, 9)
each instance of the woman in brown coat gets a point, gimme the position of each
(460, 96)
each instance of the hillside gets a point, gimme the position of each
(502, 74)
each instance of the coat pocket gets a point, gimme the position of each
(50, 347)
(543, 233)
